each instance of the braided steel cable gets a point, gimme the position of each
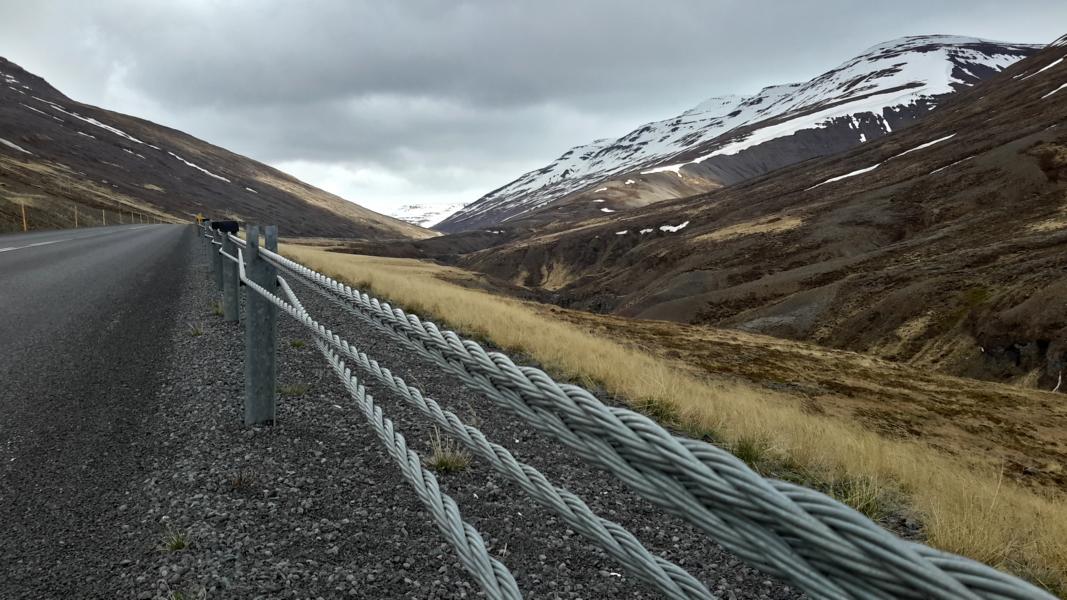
(823, 546)
(493, 577)
(753, 547)
(620, 544)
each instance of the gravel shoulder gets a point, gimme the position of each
(314, 507)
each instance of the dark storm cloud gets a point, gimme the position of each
(425, 88)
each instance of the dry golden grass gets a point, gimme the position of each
(966, 509)
(53, 189)
(764, 225)
(992, 425)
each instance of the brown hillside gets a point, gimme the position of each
(948, 254)
(60, 153)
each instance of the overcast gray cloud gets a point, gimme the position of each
(424, 101)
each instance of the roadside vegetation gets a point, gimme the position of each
(292, 389)
(174, 540)
(964, 505)
(446, 455)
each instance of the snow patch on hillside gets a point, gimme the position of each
(90, 121)
(673, 228)
(14, 146)
(951, 165)
(845, 176)
(199, 168)
(926, 145)
(1054, 91)
(1043, 69)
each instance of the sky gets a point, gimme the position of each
(433, 102)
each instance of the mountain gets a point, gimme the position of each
(424, 215)
(725, 140)
(56, 154)
(940, 245)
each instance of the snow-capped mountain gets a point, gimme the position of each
(727, 139)
(424, 215)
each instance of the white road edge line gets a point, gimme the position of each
(79, 237)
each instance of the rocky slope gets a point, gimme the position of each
(729, 139)
(56, 154)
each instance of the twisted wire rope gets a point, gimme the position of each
(493, 577)
(825, 547)
(619, 543)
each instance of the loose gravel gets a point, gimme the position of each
(313, 507)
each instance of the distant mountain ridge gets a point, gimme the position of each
(728, 139)
(56, 153)
(424, 215)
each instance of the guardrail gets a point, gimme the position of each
(800, 535)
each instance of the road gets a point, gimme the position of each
(84, 319)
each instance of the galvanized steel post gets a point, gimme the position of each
(208, 248)
(231, 307)
(216, 259)
(261, 317)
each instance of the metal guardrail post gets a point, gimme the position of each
(231, 307)
(261, 318)
(216, 260)
(208, 248)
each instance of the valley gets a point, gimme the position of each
(853, 283)
(907, 289)
(934, 247)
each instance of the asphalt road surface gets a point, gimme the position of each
(84, 319)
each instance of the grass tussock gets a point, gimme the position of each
(198, 594)
(297, 344)
(242, 481)
(293, 389)
(174, 540)
(446, 455)
(196, 329)
(755, 452)
(874, 498)
(965, 509)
